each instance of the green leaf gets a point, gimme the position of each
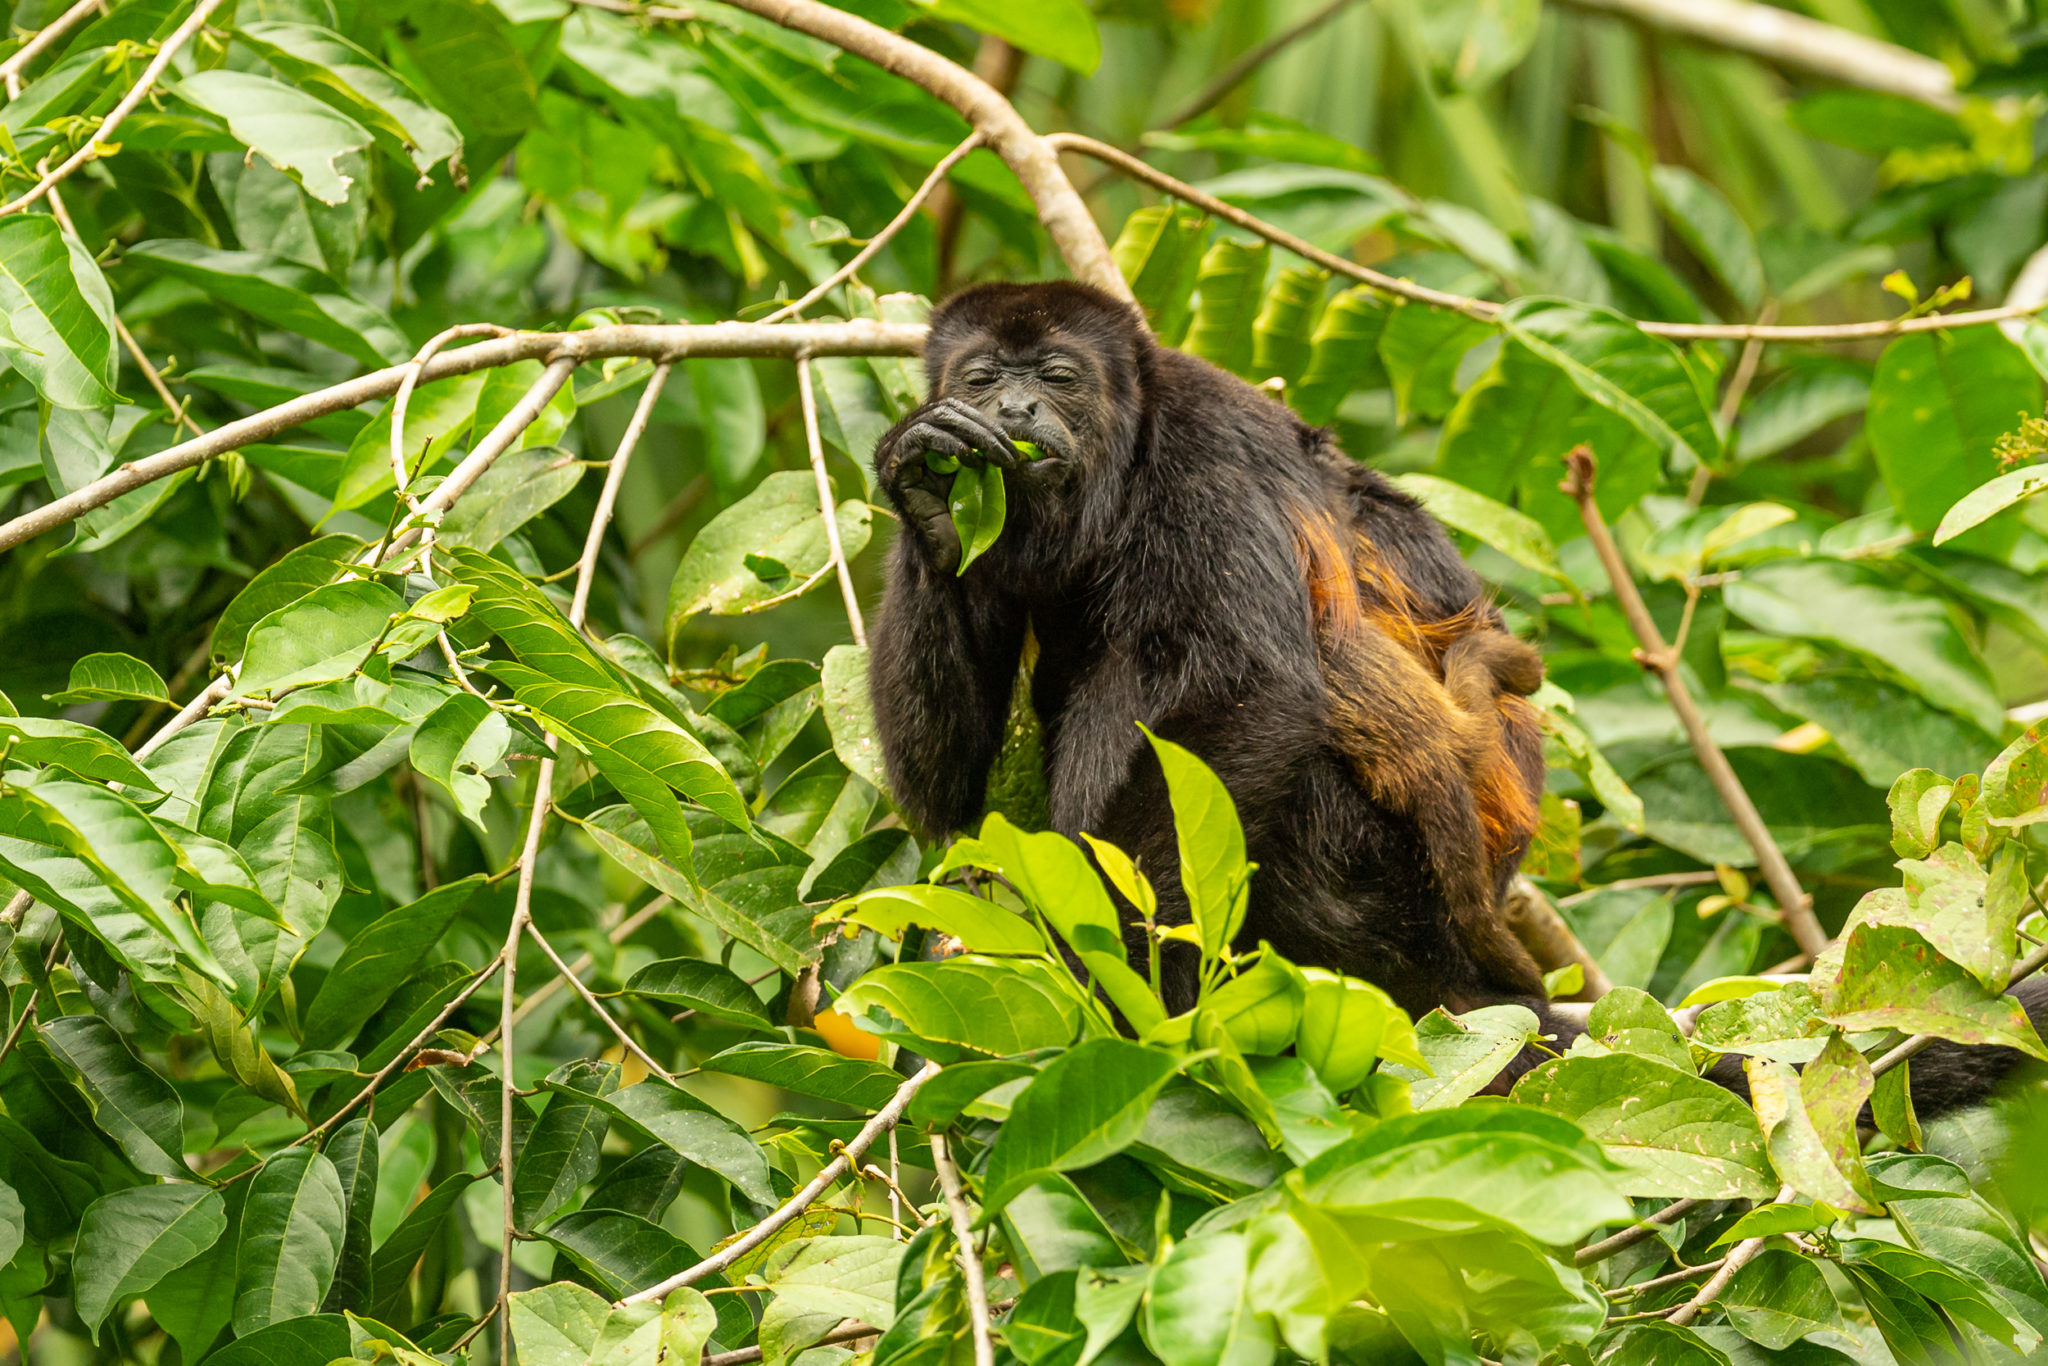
(518, 488)
(566, 1325)
(292, 130)
(1463, 1053)
(645, 755)
(994, 1007)
(688, 1127)
(827, 1279)
(319, 1337)
(1966, 1231)
(1783, 1023)
(131, 1239)
(978, 505)
(704, 987)
(291, 1237)
(462, 740)
(1519, 537)
(1937, 403)
(1084, 1105)
(1796, 406)
(1063, 30)
(378, 959)
(1919, 799)
(1231, 280)
(1708, 224)
(1197, 1311)
(1988, 500)
(325, 635)
(1281, 334)
(1677, 1135)
(1470, 44)
(1810, 1124)
(809, 1072)
(1891, 978)
(392, 1267)
(980, 926)
(1344, 354)
(438, 414)
(1347, 1025)
(1906, 637)
(1421, 348)
(289, 297)
(1957, 1294)
(1620, 367)
(1874, 123)
(111, 678)
(2015, 786)
(131, 1103)
(353, 1151)
(58, 324)
(560, 1152)
(779, 520)
(72, 746)
(298, 572)
(1261, 1007)
(1213, 871)
(330, 66)
(850, 713)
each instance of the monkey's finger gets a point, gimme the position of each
(988, 441)
(927, 437)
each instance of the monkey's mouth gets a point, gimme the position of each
(1053, 446)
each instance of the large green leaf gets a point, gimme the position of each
(809, 1072)
(293, 131)
(704, 987)
(72, 746)
(566, 1325)
(293, 1224)
(56, 314)
(1677, 1135)
(779, 521)
(1213, 871)
(966, 1005)
(560, 1151)
(351, 79)
(692, 1129)
(131, 1239)
(1232, 279)
(1197, 1312)
(1891, 978)
(289, 297)
(111, 677)
(377, 960)
(454, 748)
(325, 635)
(1937, 403)
(130, 1102)
(1063, 30)
(1083, 1106)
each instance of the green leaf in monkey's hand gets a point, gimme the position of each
(978, 504)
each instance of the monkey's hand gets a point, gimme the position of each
(955, 432)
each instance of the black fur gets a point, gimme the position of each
(1152, 557)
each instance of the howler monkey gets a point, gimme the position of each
(1188, 554)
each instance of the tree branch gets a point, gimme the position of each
(1030, 158)
(1786, 39)
(970, 1260)
(95, 144)
(1230, 77)
(1629, 1237)
(847, 1160)
(1549, 939)
(657, 341)
(40, 41)
(828, 509)
(1797, 907)
(508, 1086)
(608, 497)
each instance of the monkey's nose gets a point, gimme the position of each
(1017, 410)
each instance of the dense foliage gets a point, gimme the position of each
(255, 1096)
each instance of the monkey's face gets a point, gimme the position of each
(1051, 394)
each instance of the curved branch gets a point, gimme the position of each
(1030, 157)
(1485, 309)
(656, 342)
(95, 144)
(40, 41)
(1792, 40)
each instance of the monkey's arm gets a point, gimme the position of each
(944, 659)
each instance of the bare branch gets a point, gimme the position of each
(828, 509)
(1697, 878)
(522, 912)
(668, 341)
(880, 239)
(970, 1260)
(1786, 39)
(608, 497)
(1629, 1237)
(1739, 1256)
(590, 999)
(1797, 907)
(1030, 158)
(28, 1012)
(96, 144)
(400, 476)
(847, 1160)
(40, 41)
(583, 963)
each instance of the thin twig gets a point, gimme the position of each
(95, 145)
(583, 963)
(589, 999)
(653, 341)
(28, 1011)
(1694, 878)
(827, 509)
(1739, 1256)
(1731, 401)
(1629, 1237)
(1251, 61)
(846, 1332)
(418, 1041)
(880, 239)
(970, 1260)
(1796, 906)
(401, 478)
(522, 911)
(608, 497)
(1624, 1292)
(39, 42)
(847, 1160)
